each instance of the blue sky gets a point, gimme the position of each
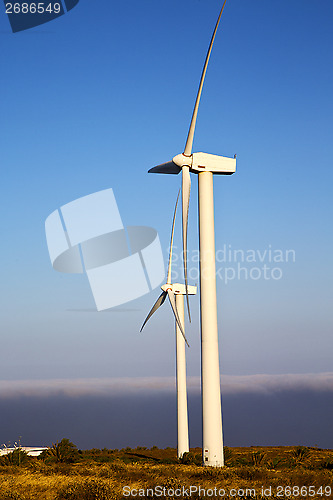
(94, 99)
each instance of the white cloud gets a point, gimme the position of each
(230, 384)
(84, 387)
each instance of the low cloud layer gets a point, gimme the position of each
(230, 384)
(268, 384)
(262, 410)
(116, 421)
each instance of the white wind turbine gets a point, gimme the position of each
(176, 292)
(205, 165)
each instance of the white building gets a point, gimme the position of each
(32, 451)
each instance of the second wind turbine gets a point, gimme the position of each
(176, 293)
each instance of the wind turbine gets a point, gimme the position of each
(205, 165)
(176, 294)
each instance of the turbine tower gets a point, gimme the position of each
(205, 166)
(176, 294)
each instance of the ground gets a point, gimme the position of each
(256, 472)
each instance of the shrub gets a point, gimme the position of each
(64, 452)
(190, 458)
(273, 463)
(326, 464)
(256, 458)
(90, 489)
(228, 456)
(16, 457)
(299, 455)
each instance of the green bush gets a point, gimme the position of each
(190, 458)
(64, 452)
(257, 458)
(16, 457)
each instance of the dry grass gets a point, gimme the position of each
(101, 475)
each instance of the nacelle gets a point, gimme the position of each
(180, 289)
(205, 162)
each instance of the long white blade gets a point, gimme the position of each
(189, 142)
(171, 242)
(172, 300)
(157, 304)
(186, 190)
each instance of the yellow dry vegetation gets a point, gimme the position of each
(103, 475)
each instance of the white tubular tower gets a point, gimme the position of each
(210, 369)
(182, 419)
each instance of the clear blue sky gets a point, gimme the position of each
(94, 99)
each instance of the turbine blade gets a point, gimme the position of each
(189, 141)
(171, 242)
(165, 168)
(186, 190)
(157, 304)
(172, 300)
